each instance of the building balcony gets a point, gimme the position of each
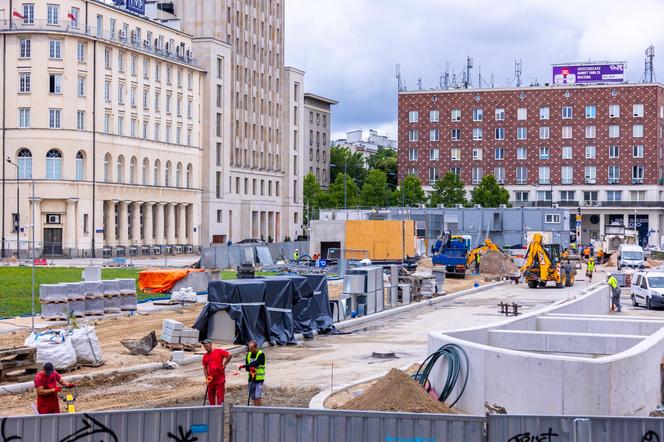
(118, 38)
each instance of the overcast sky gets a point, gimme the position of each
(349, 48)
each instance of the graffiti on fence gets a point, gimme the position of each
(547, 436)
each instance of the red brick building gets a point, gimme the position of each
(596, 147)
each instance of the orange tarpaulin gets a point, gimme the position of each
(162, 280)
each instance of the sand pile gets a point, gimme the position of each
(396, 391)
(613, 260)
(495, 263)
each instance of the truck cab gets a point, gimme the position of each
(631, 256)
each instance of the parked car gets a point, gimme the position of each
(251, 241)
(648, 289)
(630, 255)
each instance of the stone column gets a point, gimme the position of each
(109, 224)
(136, 223)
(182, 223)
(123, 223)
(148, 231)
(159, 224)
(70, 234)
(170, 229)
(191, 236)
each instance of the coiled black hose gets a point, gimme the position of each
(457, 362)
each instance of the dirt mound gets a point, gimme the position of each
(613, 260)
(495, 263)
(396, 391)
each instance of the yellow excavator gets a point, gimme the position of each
(543, 264)
(488, 245)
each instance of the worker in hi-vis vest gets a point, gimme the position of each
(255, 365)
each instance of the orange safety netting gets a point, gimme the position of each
(162, 280)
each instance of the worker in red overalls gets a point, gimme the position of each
(46, 383)
(215, 361)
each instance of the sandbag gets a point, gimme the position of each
(86, 345)
(53, 346)
(185, 294)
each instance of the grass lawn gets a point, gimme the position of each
(16, 284)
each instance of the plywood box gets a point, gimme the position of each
(384, 240)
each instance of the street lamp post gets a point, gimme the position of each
(17, 221)
(32, 181)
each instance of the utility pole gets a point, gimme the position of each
(16, 222)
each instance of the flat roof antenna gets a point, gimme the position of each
(419, 83)
(518, 70)
(446, 76)
(400, 85)
(649, 71)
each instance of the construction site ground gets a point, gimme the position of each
(294, 373)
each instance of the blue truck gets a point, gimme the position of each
(452, 253)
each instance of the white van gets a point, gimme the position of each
(648, 289)
(630, 255)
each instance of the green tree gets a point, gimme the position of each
(311, 193)
(375, 190)
(342, 159)
(334, 197)
(448, 191)
(410, 193)
(489, 193)
(385, 159)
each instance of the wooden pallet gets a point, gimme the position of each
(171, 302)
(19, 359)
(185, 347)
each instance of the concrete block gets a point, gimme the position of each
(172, 325)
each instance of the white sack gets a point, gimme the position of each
(86, 345)
(53, 346)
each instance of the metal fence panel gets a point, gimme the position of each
(203, 424)
(251, 424)
(512, 428)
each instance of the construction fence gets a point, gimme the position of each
(225, 257)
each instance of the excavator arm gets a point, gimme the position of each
(488, 245)
(536, 253)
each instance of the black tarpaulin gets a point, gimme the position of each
(319, 304)
(280, 294)
(301, 317)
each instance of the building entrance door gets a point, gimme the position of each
(52, 242)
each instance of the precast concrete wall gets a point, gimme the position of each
(229, 257)
(624, 383)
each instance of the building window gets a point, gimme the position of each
(637, 110)
(133, 164)
(477, 134)
(107, 123)
(52, 14)
(614, 111)
(107, 91)
(433, 175)
(614, 195)
(521, 133)
(434, 154)
(637, 151)
(567, 175)
(146, 69)
(54, 118)
(567, 152)
(55, 84)
(499, 153)
(134, 128)
(190, 112)
(591, 111)
(477, 153)
(455, 115)
(521, 197)
(412, 134)
(544, 175)
(107, 58)
(544, 113)
(434, 135)
(144, 171)
(567, 195)
(132, 96)
(614, 131)
(552, 218)
(412, 154)
(434, 116)
(146, 99)
(477, 175)
(614, 151)
(80, 166)
(456, 171)
(590, 152)
(134, 65)
(456, 134)
(500, 133)
(156, 172)
(28, 13)
(55, 49)
(24, 84)
(590, 196)
(80, 120)
(638, 195)
(544, 153)
(121, 60)
(167, 174)
(591, 131)
(567, 112)
(638, 173)
(24, 117)
(53, 165)
(120, 126)
(455, 154)
(478, 114)
(637, 131)
(521, 153)
(614, 174)
(567, 132)
(522, 175)
(190, 173)
(413, 116)
(522, 114)
(80, 52)
(544, 133)
(25, 48)
(500, 114)
(499, 174)
(24, 164)
(178, 135)
(590, 174)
